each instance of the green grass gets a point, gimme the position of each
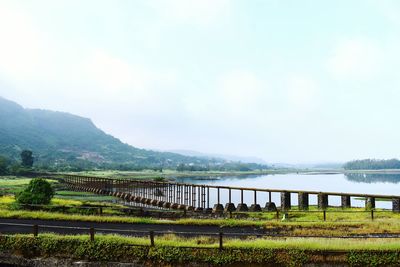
(286, 228)
(12, 184)
(12, 181)
(172, 250)
(171, 240)
(83, 196)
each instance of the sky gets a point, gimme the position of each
(286, 81)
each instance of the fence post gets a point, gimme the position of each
(372, 214)
(91, 233)
(221, 246)
(35, 230)
(324, 215)
(152, 238)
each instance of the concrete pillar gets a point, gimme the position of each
(285, 201)
(174, 206)
(270, 206)
(255, 208)
(303, 201)
(370, 203)
(322, 201)
(167, 205)
(229, 207)
(346, 201)
(242, 207)
(218, 208)
(396, 204)
(208, 210)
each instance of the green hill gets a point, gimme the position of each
(62, 140)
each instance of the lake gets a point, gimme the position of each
(385, 184)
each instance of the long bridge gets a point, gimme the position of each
(209, 198)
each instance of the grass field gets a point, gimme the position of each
(170, 250)
(172, 240)
(338, 222)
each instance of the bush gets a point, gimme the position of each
(39, 191)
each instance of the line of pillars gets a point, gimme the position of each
(198, 196)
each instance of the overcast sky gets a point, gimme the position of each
(287, 81)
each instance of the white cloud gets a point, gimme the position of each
(355, 59)
(21, 45)
(240, 91)
(390, 9)
(198, 12)
(236, 95)
(112, 73)
(302, 93)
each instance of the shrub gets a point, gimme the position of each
(38, 191)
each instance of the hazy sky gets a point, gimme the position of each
(287, 81)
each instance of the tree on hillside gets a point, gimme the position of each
(38, 191)
(3, 165)
(27, 158)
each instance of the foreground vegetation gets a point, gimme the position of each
(205, 250)
(78, 206)
(389, 225)
(170, 249)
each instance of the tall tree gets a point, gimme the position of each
(27, 158)
(3, 165)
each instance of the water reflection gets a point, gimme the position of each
(373, 178)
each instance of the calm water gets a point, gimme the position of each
(385, 184)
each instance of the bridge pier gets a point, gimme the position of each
(167, 205)
(270, 206)
(285, 201)
(369, 203)
(303, 200)
(242, 207)
(218, 208)
(396, 204)
(255, 207)
(322, 201)
(229, 207)
(346, 201)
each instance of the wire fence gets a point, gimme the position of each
(35, 229)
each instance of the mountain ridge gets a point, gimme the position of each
(61, 138)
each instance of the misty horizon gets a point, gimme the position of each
(301, 83)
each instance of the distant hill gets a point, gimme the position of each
(313, 166)
(372, 164)
(192, 153)
(61, 139)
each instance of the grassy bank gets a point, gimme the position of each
(204, 250)
(273, 227)
(170, 174)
